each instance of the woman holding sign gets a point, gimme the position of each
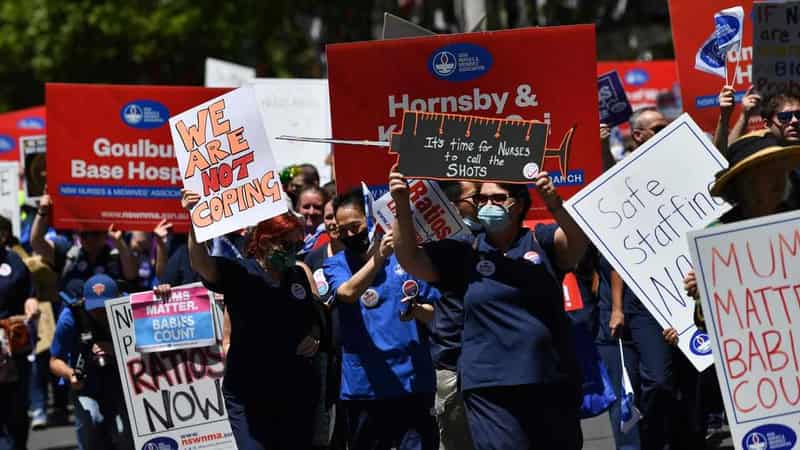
(271, 299)
(520, 380)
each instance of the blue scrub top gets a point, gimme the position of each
(516, 331)
(382, 356)
(15, 284)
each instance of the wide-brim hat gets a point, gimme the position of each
(750, 151)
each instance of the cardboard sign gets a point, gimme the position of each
(454, 147)
(643, 81)
(614, 106)
(434, 216)
(692, 24)
(33, 151)
(184, 321)
(220, 74)
(114, 161)
(174, 399)
(296, 107)
(9, 194)
(484, 74)
(224, 156)
(748, 275)
(638, 212)
(776, 36)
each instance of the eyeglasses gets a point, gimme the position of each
(352, 227)
(785, 117)
(497, 199)
(654, 129)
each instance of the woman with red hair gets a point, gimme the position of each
(272, 303)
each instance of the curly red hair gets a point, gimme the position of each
(272, 230)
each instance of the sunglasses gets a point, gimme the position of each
(497, 199)
(785, 117)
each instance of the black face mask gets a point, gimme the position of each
(357, 243)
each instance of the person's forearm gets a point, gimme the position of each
(39, 243)
(60, 368)
(350, 291)
(412, 258)
(607, 156)
(425, 312)
(721, 133)
(617, 288)
(200, 260)
(161, 259)
(739, 127)
(576, 243)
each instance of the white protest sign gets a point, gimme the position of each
(748, 276)
(224, 156)
(434, 216)
(296, 107)
(776, 44)
(9, 194)
(638, 212)
(221, 73)
(174, 399)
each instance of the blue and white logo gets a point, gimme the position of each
(711, 55)
(145, 114)
(636, 77)
(31, 123)
(6, 143)
(770, 437)
(726, 31)
(700, 344)
(459, 62)
(161, 443)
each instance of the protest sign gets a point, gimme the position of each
(296, 107)
(9, 194)
(24, 119)
(174, 399)
(434, 216)
(693, 26)
(776, 48)
(638, 212)
(114, 162)
(483, 74)
(224, 156)
(614, 106)
(455, 147)
(183, 321)
(33, 158)
(748, 276)
(220, 74)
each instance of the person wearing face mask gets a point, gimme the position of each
(271, 301)
(387, 383)
(519, 377)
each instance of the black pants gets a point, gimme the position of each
(14, 401)
(526, 417)
(404, 423)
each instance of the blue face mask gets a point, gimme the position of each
(494, 217)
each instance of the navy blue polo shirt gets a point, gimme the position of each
(630, 302)
(515, 329)
(382, 356)
(15, 284)
(268, 321)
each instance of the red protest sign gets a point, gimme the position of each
(642, 81)
(111, 158)
(25, 119)
(498, 74)
(692, 25)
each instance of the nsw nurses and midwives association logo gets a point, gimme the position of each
(444, 63)
(700, 344)
(144, 114)
(772, 436)
(459, 62)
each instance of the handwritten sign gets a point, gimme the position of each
(224, 155)
(776, 48)
(221, 73)
(183, 321)
(614, 106)
(638, 212)
(748, 275)
(9, 194)
(174, 399)
(434, 216)
(32, 154)
(455, 147)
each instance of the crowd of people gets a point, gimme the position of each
(372, 340)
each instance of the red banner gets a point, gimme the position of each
(643, 81)
(692, 25)
(545, 74)
(110, 157)
(15, 124)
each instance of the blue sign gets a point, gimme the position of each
(637, 77)
(711, 55)
(769, 437)
(614, 106)
(6, 143)
(459, 62)
(726, 30)
(144, 114)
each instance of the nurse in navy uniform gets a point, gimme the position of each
(520, 379)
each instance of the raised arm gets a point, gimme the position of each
(350, 291)
(605, 147)
(412, 258)
(726, 103)
(750, 103)
(126, 259)
(570, 242)
(41, 222)
(161, 231)
(199, 259)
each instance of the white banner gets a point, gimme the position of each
(638, 212)
(748, 275)
(221, 73)
(174, 399)
(9, 194)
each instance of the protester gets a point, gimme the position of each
(142, 248)
(645, 123)
(270, 298)
(520, 379)
(18, 307)
(727, 102)
(781, 116)
(387, 374)
(88, 365)
(310, 203)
